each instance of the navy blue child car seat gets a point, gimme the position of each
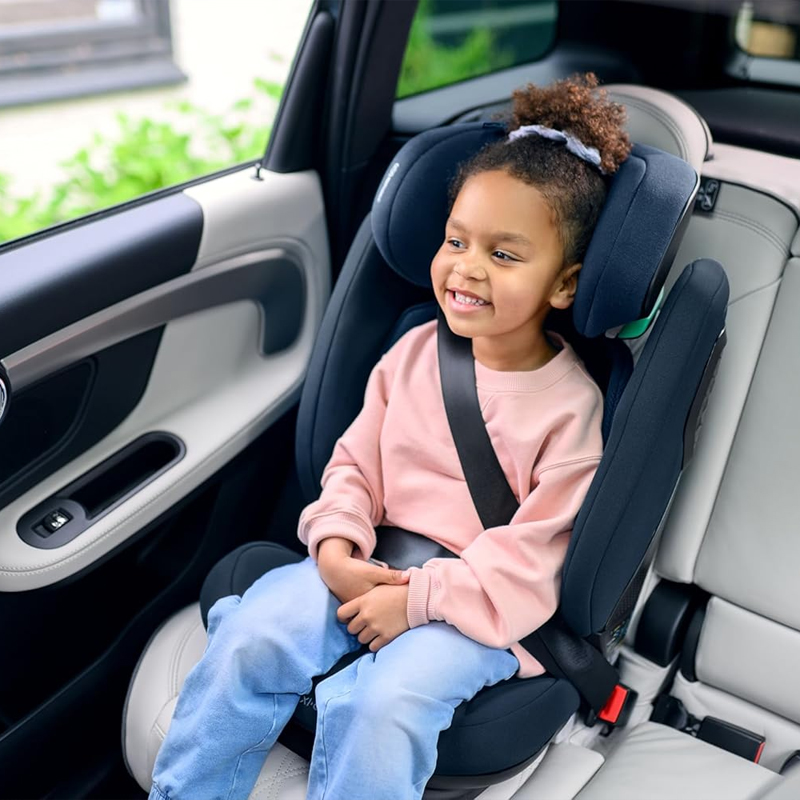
(650, 418)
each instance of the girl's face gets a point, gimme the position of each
(500, 269)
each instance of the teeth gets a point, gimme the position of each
(473, 301)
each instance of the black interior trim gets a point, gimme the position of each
(297, 128)
(56, 281)
(755, 117)
(687, 660)
(665, 621)
(117, 376)
(369, 48)
(100, 490)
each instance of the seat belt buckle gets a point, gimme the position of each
(617, 710)
(732, 738)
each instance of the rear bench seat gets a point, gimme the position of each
(732, 530)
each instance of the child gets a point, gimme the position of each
(522, 216)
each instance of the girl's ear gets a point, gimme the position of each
(566, 286)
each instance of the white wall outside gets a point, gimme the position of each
(221, 45)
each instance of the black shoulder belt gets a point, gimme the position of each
(561, 652)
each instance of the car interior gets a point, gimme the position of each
(164, 426)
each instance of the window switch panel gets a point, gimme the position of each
(55, 520)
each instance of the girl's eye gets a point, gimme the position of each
(500, 255)
(455, 242)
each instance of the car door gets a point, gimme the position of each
(150, 359)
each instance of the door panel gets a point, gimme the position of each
(55, 281)
(237, 333)
(53, 421)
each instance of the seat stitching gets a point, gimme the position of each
(755, 291)
(753, 221)
(176, 659)
(664, 119)
(742, 409)
(754, 225)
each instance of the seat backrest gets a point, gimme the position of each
(384, 289)
(732, 529)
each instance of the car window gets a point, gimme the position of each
(768, 29)
(102, 101)
(452, 40)
(767, 42)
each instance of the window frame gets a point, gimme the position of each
(121, 55)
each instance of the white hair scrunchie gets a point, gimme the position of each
(589, 154)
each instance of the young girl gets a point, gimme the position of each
(522, 216)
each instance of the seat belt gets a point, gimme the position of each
(561, 652)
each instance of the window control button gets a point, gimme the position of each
(55, 520)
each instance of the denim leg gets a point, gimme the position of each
(379, 719)
(262, 652)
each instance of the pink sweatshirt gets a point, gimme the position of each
(397, 465)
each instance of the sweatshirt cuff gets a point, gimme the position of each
(422, 590)
(341, 525)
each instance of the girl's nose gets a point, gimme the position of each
(470, 270)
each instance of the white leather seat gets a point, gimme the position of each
(655, 118)
(659, 763)
(732, 527)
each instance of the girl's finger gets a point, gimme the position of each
(348, 610)
(366, 635)
(356, 625)
(378, 642)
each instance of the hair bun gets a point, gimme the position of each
(576, 106)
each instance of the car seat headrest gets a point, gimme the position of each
(632, 248)
(662, 120)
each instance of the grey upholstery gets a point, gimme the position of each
(751, 552)
(750, 233)
(659, 763)
(662, 120)
(732, 526)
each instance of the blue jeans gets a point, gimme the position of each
(378, 720)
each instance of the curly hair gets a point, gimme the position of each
(575, 189)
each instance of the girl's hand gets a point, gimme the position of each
(378, 616)
(348, 577)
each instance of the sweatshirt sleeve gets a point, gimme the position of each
(351, 502)
(506, 583)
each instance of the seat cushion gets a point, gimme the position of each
(658, 763)
(500, 728)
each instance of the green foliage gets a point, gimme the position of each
(142, 155)
(427, 64)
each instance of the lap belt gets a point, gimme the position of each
(561, 652)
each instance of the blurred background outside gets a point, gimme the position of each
(104, 100)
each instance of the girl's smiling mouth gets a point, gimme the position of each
(465, 301)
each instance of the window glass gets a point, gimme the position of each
(769, 29)
(105, 100)
(452, 40)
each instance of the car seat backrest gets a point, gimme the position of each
(751, 233)
(732, 526)
(663, 121)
